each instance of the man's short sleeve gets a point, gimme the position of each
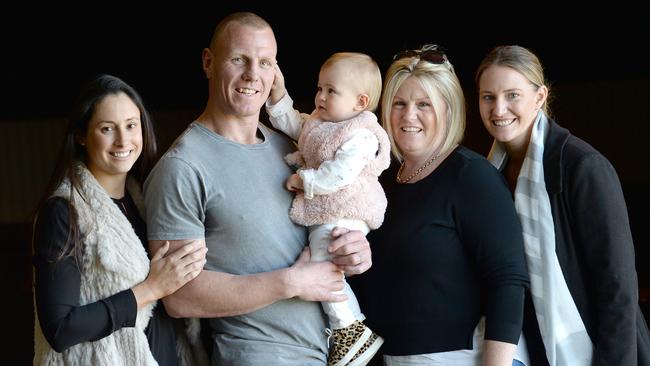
(174, 200)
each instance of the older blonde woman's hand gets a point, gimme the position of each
(351, 251)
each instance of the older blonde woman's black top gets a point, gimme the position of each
(450, 251)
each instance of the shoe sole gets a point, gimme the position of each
(365, 357)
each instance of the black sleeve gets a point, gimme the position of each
(57, 281)
(490, 229)
(602, 231)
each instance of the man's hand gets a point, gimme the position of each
(351, 251)
(315, 281)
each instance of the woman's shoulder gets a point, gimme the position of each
(471, 180)
(570, 147)
(473, 168)
(468, 154)
(577, 154)
(568, 158)
(467, 158)
(51, 229)
(465, 168)
(53, 208)
(577, 148)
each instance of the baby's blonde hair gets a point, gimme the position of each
(365, 69)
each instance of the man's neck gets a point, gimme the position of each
(239, 130)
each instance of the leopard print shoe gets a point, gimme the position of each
(367, 351)
(351, 343)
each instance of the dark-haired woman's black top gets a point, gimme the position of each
(57, 282)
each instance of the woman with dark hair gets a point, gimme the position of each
(95, 287)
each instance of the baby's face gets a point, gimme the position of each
(336, 99)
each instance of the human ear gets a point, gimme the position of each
(542, 94)
(362, 102)
(206, 59)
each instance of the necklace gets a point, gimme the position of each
(415, 174)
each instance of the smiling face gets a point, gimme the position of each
(415, 128)
(509, 103)
(113, 139)
(240, 68)
(336, 99)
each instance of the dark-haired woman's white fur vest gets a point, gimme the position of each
(113, 260)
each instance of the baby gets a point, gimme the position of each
(342, 150)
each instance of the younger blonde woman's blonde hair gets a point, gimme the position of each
(521, 60)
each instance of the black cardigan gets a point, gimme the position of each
(595, 251)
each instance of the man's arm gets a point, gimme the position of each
(219, 294)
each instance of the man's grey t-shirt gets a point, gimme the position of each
(206, 186)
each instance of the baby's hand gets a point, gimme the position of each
(278, 90)
(294, 183)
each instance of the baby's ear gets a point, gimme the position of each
(362, 102)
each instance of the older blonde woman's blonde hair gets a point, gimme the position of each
(440, 83)
(366, 72)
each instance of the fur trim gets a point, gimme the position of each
(190, 348)
(364, 199)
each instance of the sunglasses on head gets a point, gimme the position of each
(431, 53)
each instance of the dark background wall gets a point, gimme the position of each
(595, 59)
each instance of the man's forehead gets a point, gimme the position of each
(248, 39)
